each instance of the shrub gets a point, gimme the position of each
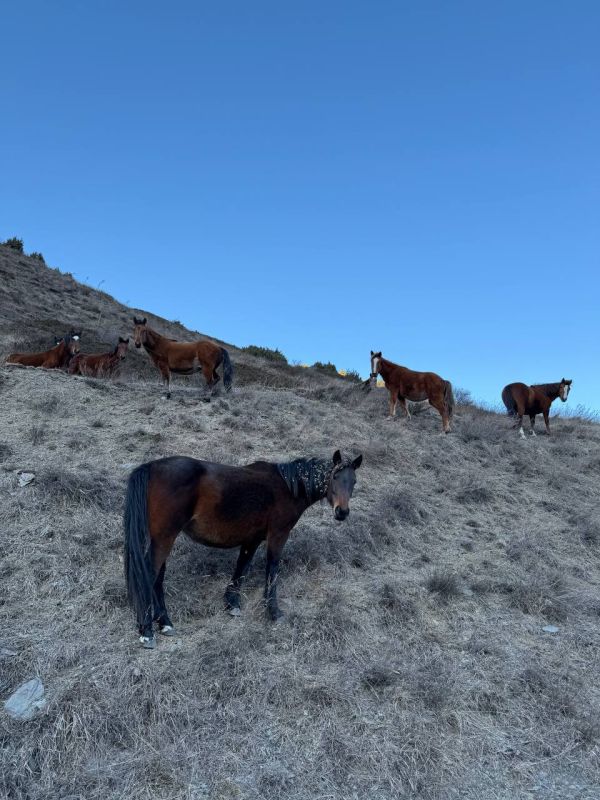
(38, 257)
(328, 367)
(265, 352)
(14, 244)
(352, 375)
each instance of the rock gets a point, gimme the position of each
(6, 653)
(25, 478)
(550, 629)
(27, 701)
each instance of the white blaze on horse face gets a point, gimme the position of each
(374, 364)
(564, 391)
(75, 338)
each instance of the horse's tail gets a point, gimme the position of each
(449, 398)
(227, 370)
(139, 569)
(509, 401)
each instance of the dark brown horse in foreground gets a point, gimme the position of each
(220, 506)
(521, 399)
(405, 384)
(99, 365)
(183, 358)
(57, 357)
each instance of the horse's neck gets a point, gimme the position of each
(549, 390)
(154, 341)
(60, 351)
(386, 367)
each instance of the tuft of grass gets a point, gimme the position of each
(444, 585)
(265, 352)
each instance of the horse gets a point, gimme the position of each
(99, 364)
(220, 506)
(521, 399)
(57, 357)
(183, 358)
(405, 384)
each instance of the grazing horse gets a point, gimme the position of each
(521, 399)
(183, 358)
(220, 506)
(57, 357)
(405, 384)
(99, 364)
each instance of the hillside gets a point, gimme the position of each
(412, 660)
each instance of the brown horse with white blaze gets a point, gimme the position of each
(97, 365)
(220, 506)
(183, 358)
(58, 357)
(521, 399)
(405, 384)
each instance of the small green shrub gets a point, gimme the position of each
(352, 375)
(265, 352)
(328, 367)
(14, 244)
(38, 257)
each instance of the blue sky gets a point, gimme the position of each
(327, 178)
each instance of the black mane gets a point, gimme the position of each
(308, 475)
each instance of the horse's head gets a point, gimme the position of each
(71, 341)
(564, 389)
(341, 484)
(122, 347)
(140, 331)
(375, 361)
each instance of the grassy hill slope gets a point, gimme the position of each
(412, 661)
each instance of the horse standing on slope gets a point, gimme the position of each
(405, 384)
(521, 399)
(183, 358)
(58, 357)
(99, 364)
(220, 506)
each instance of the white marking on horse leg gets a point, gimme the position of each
(521, 433)
(533, 433)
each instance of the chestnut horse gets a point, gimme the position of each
(220, 506)
(99, 364)
(521, 399)
(183, 358)
(405, 384)
(57, 357)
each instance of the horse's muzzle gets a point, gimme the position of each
(340, 513)
(138, 345)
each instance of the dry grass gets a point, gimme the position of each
(412, 660)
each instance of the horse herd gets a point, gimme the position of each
(225, 506)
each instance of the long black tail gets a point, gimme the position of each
(139, 569)
(227, 370)
(509, 401)
(449, 398)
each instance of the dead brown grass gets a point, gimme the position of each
(412, 660)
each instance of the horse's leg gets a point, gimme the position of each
(208, 371)
(547, 421)
(393, 401)
(402, 401)
(160, 553)
(232, 593)
(440, 407)
(166, 375)
(532, 421)
(274, 550)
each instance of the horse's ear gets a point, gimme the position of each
(144, 321)
(357, 461)
(337, 458)
(372, 353)
(569, 382)
(562, 380)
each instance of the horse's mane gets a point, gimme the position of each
(546, 389)
(310, 475)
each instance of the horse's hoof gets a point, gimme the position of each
(234, 611)
(148, 642)
(167, 630)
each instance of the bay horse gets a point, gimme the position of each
(220, 506)
(521, 399)
(405, 384)
(183, 358)
(57, 357)
(99, 364)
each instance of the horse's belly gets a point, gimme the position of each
(416, 396)
(214, 534)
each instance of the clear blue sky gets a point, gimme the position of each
(323, 177)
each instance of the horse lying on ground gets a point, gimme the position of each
(521, 399)
(405, 384)
(99, 364)
(57, 357)
(220, 506)
(183, 358)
